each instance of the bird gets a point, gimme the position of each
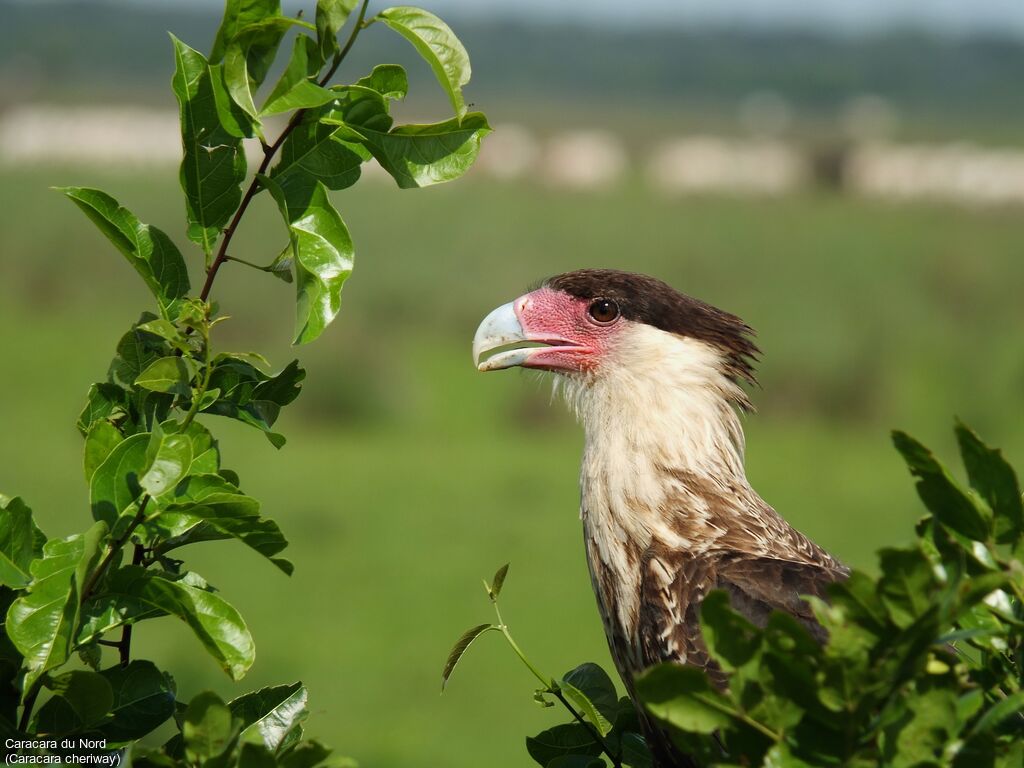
(656, 378)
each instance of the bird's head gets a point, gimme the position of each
(591, 323)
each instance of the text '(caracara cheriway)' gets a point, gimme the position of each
(655, 378)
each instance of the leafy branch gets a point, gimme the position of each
(594, 705)
(152, 466)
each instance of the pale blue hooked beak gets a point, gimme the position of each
(499, 329)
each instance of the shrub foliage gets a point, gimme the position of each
(924, 665)
(156, 482)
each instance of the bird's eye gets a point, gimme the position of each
(603, 311)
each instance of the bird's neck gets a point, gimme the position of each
(668, 408)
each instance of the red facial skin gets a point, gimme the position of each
(578, 342)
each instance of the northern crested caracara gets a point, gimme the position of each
(668, 515)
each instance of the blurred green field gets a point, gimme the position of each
(408, 476)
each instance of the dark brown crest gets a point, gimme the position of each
(651, 301)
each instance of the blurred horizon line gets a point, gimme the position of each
(841, 18)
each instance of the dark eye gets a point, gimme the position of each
(604, 311)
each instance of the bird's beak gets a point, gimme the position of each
(499, 329)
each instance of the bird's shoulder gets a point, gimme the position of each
(724, 516)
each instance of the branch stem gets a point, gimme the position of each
(551, 687)
(115, 547)
(269, 150)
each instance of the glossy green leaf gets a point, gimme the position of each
(992, 477)
(168, 460)
(251, 396)
(330, 17)
(42, 623)
(422, 155)
(21, 542)
(439, 47)
(216, 624)
(115, 483)
(389, 80)
(239, 14)
(459, 649)
(249, 56)
(233, 119)
(168, 374)
(569, 739)
(585, 707)
(207, 728)
(682, 696)
(494, 588)
(591, 680)
(297, 87)
(104, 401)
(323, 255)
(635, 752)
(102, 438)
(939, 492)
(148, 249)
(81, 698)
(213, 164)
(143, 699)
(317, 151)
(271, 715)
(211, 501)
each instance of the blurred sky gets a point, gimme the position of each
(951, 16)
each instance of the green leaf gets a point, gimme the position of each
(251, 396)
(323, 255)
(105, 400)
(939, 492)
(992, 477)
(249, 56)
(21, 542)
(494, 588)
(295, 89)
(460, 647)
(920, 736)
(906, 585)
(208, 728)
(316, 151)
(239, 14)
(143, 699)
(439, 47)
(81, 698)
(586, 707)
(210, 500)
(569, 739)
(635, 752)
(683, 697)
(168, 374)
(271, 715)
(330, 17)
(216, 624)
(168, 460)
(730, 638)
(103, 437)
(591, 680)
(213, 165)
(389, 80)
(1011, 706)
(148, 249)
(422, 155)
(115, 483)
(42, 623)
